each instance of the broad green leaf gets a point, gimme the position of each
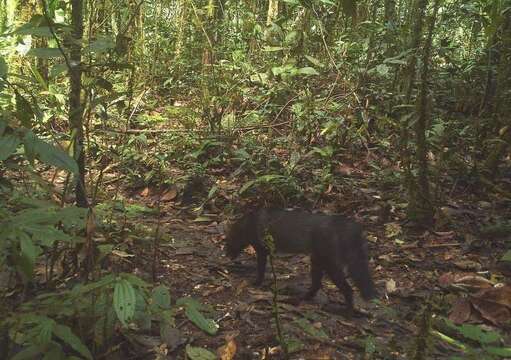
(57, 69)
(45, 53)
(49, 154)
(189, 301)
(8, 145)
(161, 297)
(35, 217)
(101, 45)
(313, 60)
(47, 234)
(65, 334)
(28, 249)
(45, 328)
(104, 281)
(134, 280)
(499, 351)
(197, 353)
(475, 333)
(207, 325)
(24, 266)
(124, 301)
(307, 71)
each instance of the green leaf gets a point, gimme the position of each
(499, 351)
(313, 60)
(45, 53)
(24, 111)
(65, 334)
(273, 48)
(8, 145)
(4, 68)
(55, 352)
(28, 249)
(57, 69)
(475, 333)
(207, 325)
(161, 297)
(27, 353)
(49, 154)
(124, 301)
(47, 234)
(134, 280)
(309, 329)
(102, 45)
(197, 353)
(382, 69)
(45, 328)
(104, 281)
(307, 71)
(294, 345)
(506, 257)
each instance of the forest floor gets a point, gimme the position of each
(422, 276)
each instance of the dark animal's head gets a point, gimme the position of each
(237, 237)
(359, 271)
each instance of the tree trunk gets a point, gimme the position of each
(75, 101)
(423, 205)
(273, 11)
(408, 84)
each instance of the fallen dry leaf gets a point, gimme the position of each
(461, 311)
(169, 194)
(468, 265)
(499, 294)
(227, 351)
(495, 313)
(145, 192)
(390, 286)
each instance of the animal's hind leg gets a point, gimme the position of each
(316, 276)
(336, 274)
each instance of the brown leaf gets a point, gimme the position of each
(169, 194)
(227, 351)
(475, 282)
(461, 311)
(145, 192)
(500, 295)
(468, 265)
(493, 312)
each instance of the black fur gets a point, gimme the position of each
(334, 242)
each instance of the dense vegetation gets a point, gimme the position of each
(132, 130)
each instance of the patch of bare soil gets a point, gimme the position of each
(411, 276)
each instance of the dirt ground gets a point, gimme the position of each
(416, 273)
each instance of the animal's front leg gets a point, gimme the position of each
(316, 276)
(261, 267)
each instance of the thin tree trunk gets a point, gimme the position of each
(75, 101)
(424, 206)
(410, 71)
